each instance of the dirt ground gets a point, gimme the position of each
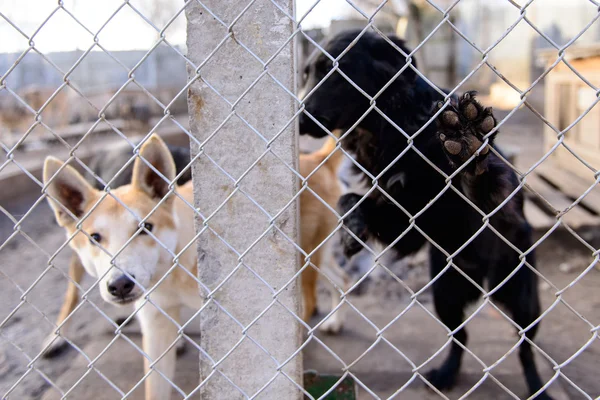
(418, 336)
(29, 307)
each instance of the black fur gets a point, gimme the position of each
(409, 102)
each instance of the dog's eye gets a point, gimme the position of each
(96, 238)
(147, 228)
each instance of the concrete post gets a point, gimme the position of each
(243, 259)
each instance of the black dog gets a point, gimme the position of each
(418, 206)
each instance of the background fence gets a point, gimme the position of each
(74, 84)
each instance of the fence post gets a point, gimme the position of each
(241, 182)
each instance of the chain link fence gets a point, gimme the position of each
(224, 219)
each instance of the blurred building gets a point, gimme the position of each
(447, 56)
(567, 98)
(484, 22)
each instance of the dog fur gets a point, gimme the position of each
(317, 223)
(106, 165)
(142, 262)
(413, 182)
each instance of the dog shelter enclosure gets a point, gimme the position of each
(224, 80)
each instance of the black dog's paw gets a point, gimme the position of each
(351, 245)
(441, 378)
(461, 130)
(355, 222)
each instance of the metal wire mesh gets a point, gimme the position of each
(73, 153)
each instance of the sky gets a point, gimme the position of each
(125, 31)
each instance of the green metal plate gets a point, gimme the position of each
(317, 385)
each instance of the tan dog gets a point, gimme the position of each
(144, 260)
(317, 222)
(142, 256)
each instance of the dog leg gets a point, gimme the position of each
(451, 294)
(451, 315)
(331, 269)
(520, 296)
(55, 345)
(524, 314)
(309, 287)
(158, 333)
(534, 382)
(355, 221)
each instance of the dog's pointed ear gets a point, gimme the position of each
(156, 153)
(67, 187)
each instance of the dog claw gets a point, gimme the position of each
(469, 95)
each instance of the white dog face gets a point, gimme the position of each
(127, 261)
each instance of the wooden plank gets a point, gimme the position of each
(537, 218)
(576, 217)
(571, 184)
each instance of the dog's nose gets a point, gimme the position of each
(121, 286)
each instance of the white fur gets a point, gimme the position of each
(137, 258)
(142, 257)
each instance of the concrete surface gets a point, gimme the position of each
(245, 257)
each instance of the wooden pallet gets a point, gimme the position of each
(561, 189)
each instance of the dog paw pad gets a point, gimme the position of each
(452, 147)
(461, 130)
(450, 118)
(470, 112)
(488, 123)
